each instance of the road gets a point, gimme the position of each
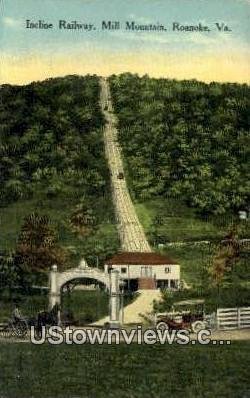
(131, 233)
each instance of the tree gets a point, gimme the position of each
(83, 220)
(194, 145)
(226, 257)
(37, 249)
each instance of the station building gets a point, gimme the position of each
(145, 270)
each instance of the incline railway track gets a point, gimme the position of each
(130, 230)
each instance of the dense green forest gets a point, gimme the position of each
(186, 140)
(50, 140)
(55, 203)
(185, 147)
(185, 152)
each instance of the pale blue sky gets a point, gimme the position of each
(19, 43)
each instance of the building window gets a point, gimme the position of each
(146, 272)
(173, 284)
(167, 270)
(162, 284)
(123, 270)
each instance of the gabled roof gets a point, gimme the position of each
(137, 258)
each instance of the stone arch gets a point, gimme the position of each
(112, 282)
(77, 273)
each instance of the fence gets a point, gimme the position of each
(233, 318)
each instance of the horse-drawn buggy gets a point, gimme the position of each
(14, 328)
(19, 326)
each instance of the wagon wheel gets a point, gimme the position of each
(197, 326)
(20, 328)
(6, 331)
(162, 326)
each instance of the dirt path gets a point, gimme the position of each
(136, 311)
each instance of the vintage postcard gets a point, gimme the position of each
(124, 200)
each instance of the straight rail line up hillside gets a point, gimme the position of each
(131, 233)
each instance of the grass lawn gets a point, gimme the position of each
(169, 220)
(12, 218)
(178, 222)
(59, 210)
(192, 259)
(86, 306)
(124, 371)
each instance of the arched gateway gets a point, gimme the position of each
(112, 282)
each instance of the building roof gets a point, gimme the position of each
(137, 258)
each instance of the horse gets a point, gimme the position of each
(47, 318)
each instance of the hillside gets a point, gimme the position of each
(52, 163)
(185, 140)
(185, 148)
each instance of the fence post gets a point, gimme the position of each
(54, 295)
(114, 298)
(233, 318)
(238, 314)
(217, 322)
